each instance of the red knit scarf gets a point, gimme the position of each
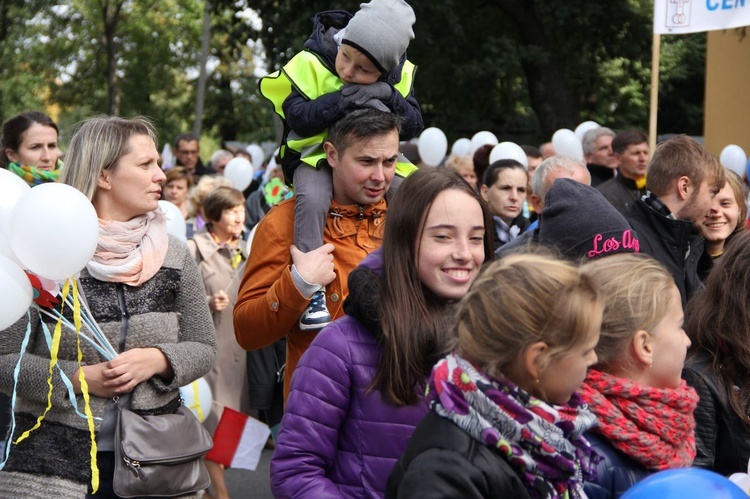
(653, 426)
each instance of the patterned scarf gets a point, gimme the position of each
(34, 176)
(130, 252)
(651, 425)
(543, 444)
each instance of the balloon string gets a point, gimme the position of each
(197, 402)
(53, 361)
(16, 370)
(85, 388)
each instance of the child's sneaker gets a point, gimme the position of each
(316, 316)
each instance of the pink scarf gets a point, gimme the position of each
(130, 252)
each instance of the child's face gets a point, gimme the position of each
(670, 344)
(353, 66)
(564, 375)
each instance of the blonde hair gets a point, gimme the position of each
(98, 145)
(197, 194)
(521, 300)
(459, 164)
(637, 295)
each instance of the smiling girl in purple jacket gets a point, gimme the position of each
(355, 397)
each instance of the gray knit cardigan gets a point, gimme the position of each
(168, 312)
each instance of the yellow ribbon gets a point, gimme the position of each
(52, 362)
(54, 351)
(197, 402)
(85, 389)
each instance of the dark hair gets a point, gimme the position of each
(627, 138)
(490, 176)
(532, 152)
(481, 159)
(220, 199)
(719, 323)
(15, 127)
(361, 124)
(185, 137)
(682, 156)
(414, 321)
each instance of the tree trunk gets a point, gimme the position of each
(111, 18)
(200, 94)
(549, 93)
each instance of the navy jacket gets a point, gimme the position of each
(616, 472)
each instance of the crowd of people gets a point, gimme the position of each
(476, 329)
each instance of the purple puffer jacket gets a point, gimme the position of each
(338, 438)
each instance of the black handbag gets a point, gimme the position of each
(160, 456)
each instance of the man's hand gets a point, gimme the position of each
(316, 266)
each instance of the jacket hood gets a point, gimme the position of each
(363, 302)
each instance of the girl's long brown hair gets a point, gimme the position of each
(719, 323)
(414, 322)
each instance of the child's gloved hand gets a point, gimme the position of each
(356, 95)
(377, 104)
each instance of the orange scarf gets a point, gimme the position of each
(130, 252)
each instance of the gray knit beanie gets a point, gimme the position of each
(579, 221)
(382, 30)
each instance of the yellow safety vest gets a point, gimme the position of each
(306, 74)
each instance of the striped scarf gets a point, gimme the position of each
(34, 176)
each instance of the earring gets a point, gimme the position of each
(650, 365)
(536, 380)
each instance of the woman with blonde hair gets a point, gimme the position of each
(645, 410)
(505, 419)
(143, 290)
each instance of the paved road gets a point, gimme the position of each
(245, 484)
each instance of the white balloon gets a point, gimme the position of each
(432, 146)
(566, 143)
(240, 172)
(54, 230)
(256, 156)
(16, 292)
(482, 138)
(201, 406)
(733, 158)
(461, 147)
(175, 220)
(584, 127)
(12, 187)
(509, 150)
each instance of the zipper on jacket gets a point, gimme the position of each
(124, 316)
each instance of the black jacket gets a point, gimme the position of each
(723, 442)
(441, 460)
(616, 472)
(674, 243)
(621, 192)
(599, 174)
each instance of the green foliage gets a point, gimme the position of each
(520, 68)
